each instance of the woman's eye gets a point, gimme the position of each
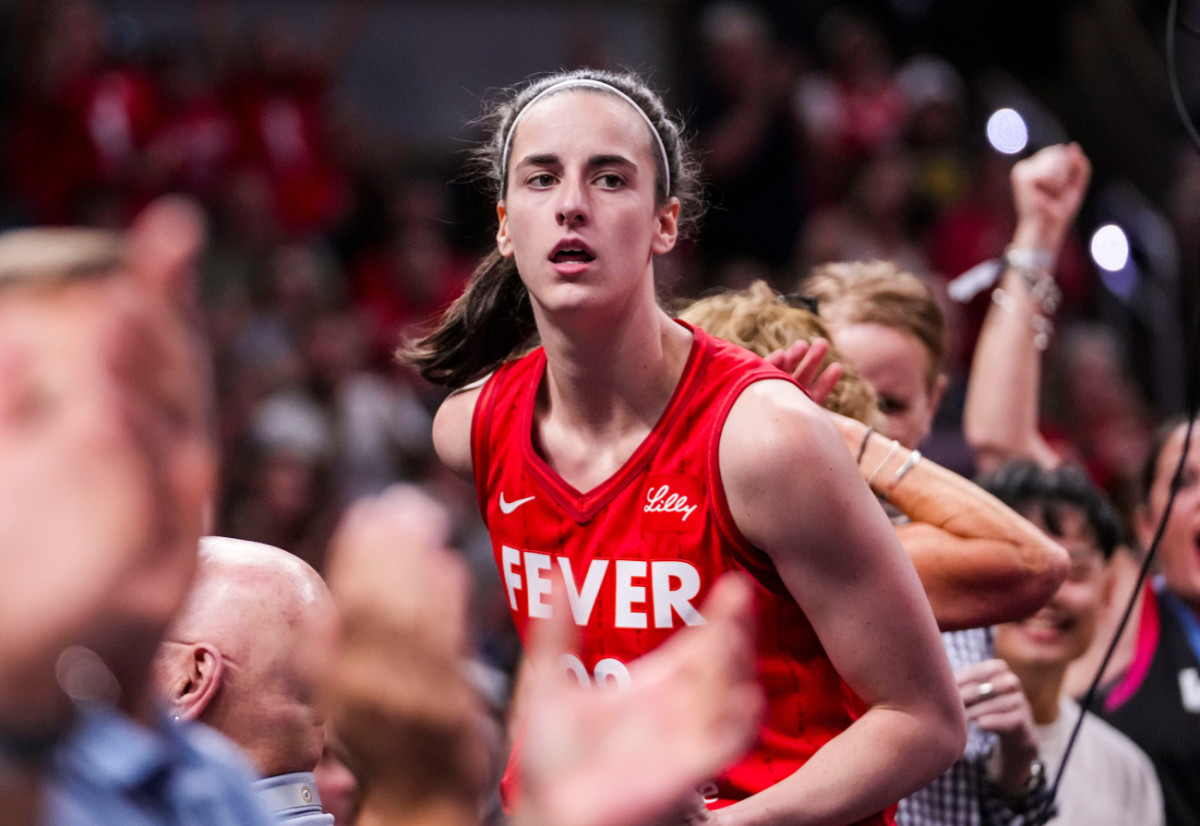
(890, 407)
(611, 181)
(541, 180)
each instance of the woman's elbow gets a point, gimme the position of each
(1046, 566)
(946, 739)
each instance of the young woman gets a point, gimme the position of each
(630, 460)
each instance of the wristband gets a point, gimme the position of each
(862, 449)
(874, 473)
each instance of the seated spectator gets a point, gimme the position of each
(1108, 780)
(230, 659)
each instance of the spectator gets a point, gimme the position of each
(1109, 781)
(231, 659)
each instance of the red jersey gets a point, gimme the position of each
(639, 552)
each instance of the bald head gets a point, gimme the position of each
(232, 656)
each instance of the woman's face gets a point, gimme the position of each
(1179, 553)
(897, 365)
(579, 214)
(1063, 628)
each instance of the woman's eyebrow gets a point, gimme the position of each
(546, 159)
(610, 160)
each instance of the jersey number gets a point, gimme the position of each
(608, 673)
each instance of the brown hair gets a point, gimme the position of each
(762, 322)
(493, 318)
(879, 292)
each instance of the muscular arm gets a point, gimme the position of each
(979, 561)
(794, 492)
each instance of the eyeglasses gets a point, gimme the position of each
(800, 301)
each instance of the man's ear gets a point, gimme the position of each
(503, 242)
(667, 232)
(163, 244)
(194, 687)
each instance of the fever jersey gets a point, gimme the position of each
(638, 553)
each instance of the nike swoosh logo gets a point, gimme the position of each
(509, 507)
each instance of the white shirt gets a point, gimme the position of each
(1109, 781)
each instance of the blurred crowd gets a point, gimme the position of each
(330, 244)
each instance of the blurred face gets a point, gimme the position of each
(105, 466)
(1179, 553)
(897, 365)
(579, 215)
(1063, 628)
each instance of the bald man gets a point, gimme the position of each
(231, 660)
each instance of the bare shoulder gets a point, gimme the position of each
(452, 428)
(778, 449)
(771, 426)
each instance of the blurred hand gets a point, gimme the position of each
(633, 756)
(1048, 188)
(802, 361)
(394, 681)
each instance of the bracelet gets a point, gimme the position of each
(1043, 327)
(908, 465)
(862, 449)
(1034, 267)
(874, 473)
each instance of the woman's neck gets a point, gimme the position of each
(603, 375)
(599, 400)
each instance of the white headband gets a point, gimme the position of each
(594, 84)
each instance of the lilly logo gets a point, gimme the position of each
(661, 499)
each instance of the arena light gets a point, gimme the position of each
(1110, 248)
(1007, 132)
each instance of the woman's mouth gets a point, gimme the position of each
(572, 255)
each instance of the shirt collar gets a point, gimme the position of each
(288, 794)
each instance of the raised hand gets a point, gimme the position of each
(1048, 188)
(394, 679)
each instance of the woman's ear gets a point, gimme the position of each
(200, 672)
(503, 242)
(667, 231)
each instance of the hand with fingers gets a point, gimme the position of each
(691, 708)
(394, 682)
(805, 363)
(994, 701)
(1048, 188)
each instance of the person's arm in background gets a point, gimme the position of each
(1000, 420)
(979, 561)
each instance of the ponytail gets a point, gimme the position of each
(490, 321)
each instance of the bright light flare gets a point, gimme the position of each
(1007, 132)
(1110, 248)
